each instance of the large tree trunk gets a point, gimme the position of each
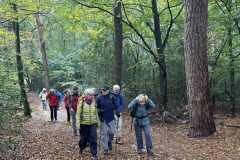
(24, 100)
(196, 64)
(42, 50)
(118, 43)
(231, 64)
(161, 60)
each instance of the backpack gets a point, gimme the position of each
(74, 101)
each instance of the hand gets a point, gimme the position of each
(100, 116)
(146, 98)
(118, 114)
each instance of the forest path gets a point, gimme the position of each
(46, 140)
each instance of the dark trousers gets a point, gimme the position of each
(68, 113)
(53, 110)
(88, 134)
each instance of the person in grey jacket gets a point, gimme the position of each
(139, 107)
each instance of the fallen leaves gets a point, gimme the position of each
(55, 141)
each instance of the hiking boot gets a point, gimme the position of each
(149, 158)
(75, 133)
(94, 157)
(80, 154)
(150, 155)
(140, 151)
(118, 141)
(106, 152)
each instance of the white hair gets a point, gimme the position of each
(116, 87)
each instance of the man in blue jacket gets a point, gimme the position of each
(106, 107)
(119, 101)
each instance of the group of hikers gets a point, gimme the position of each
(104, 109)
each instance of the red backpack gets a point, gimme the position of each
(74, 102)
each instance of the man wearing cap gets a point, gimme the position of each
(42, 96)
(106, 106)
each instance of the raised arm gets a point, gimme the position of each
(132, 103)
(150, 104)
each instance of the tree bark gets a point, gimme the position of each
(24, 100)
(196, 65)
(161, 56)
(118, 43)
(231, 64)
(42, 50)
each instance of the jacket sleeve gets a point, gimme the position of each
(79, 110)
(98, 104)
(150, 104)
(121, 103)
(40, 95)
(65, 100)
(132, 103)
(47, 97)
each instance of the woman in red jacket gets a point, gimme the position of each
(53, 104)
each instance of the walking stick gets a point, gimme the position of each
(99, 142)
(117, 135)
(131, 123)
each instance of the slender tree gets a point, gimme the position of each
(231, 62)
(42, 49)
(196, 65)
(118, 42)
(24, 100)
(161, 55)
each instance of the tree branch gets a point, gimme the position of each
(167, 8)
(139, 34)
(172, 20)
(127, 22)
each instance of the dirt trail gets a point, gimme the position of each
(55, 141)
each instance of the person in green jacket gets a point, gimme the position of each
(88, 120)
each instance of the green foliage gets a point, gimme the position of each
(79, 42)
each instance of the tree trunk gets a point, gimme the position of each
(196, 65)
(24, 100)
(160, 52)
(231, 64)
(118, 43)
(42, 50)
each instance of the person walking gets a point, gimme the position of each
(67, 104)
(43, 98)
(106, 108)
(74, 100)
(88, 120)
(53, 104)
(140, 107)
(119, 101)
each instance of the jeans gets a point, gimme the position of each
(53, 110)
(107, 132)
(68, 113)
(88, 134)
(74, 126)
(44, 104)
(148, 138)
(120, 122)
